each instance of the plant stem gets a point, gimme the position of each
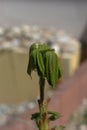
(42, 86)
(43, 124)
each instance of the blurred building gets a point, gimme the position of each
(70, 15)
(14, 53)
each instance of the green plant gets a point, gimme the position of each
(44, 60)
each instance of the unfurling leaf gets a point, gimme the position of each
(32, 65)
(60, 127)
(45, 61)
(40, 64)
(52, 68)
(54, 115)
(36, 117)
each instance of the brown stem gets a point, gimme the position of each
(42, 85)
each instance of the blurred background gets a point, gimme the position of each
(62, 24)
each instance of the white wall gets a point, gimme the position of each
(69, 15)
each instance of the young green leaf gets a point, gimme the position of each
(51, 65)
(40, 64)
(54, 115)
(33, 47)
(32, 65)
(43, 47)
(36, 117)
(60, 127)
(45, 61)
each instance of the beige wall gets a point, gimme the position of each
(15, 84)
